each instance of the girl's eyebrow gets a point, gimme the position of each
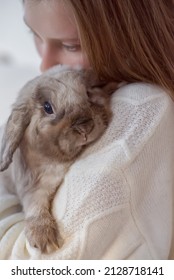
(73, 40)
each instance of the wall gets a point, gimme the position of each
(19, 60)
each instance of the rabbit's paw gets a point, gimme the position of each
(42, 233)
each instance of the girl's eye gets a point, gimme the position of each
(71, 48)
(47, 107)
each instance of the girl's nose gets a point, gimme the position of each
(49, 57)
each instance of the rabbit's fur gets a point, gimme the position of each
(44, 144)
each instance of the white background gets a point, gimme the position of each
(19, 60)
(104, 269)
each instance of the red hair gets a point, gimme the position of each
(128, 40)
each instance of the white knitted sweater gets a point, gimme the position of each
(116, 201)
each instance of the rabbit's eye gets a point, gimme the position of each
(47, 107)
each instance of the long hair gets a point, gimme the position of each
(128, 40)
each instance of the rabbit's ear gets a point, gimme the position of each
(101, 94)
(16, 125)
(90, 78)
(98, 90)
(13, 133)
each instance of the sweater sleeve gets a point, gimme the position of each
(116, 199)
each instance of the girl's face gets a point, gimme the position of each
(55, 33)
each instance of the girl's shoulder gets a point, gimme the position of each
(139, 110)
(139, 105)
(140, 92)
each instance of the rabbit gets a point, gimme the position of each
(54, 119)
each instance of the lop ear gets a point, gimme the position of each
(99, 91)
(91, 79)
(16, 125)
(100, 95)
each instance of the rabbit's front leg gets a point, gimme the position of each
(41, 228)
(42, 232)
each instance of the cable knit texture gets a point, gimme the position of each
(116, 201)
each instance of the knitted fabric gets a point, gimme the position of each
(116, 201)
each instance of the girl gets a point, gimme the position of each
(116, 201)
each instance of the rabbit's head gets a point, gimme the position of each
(57, 115)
